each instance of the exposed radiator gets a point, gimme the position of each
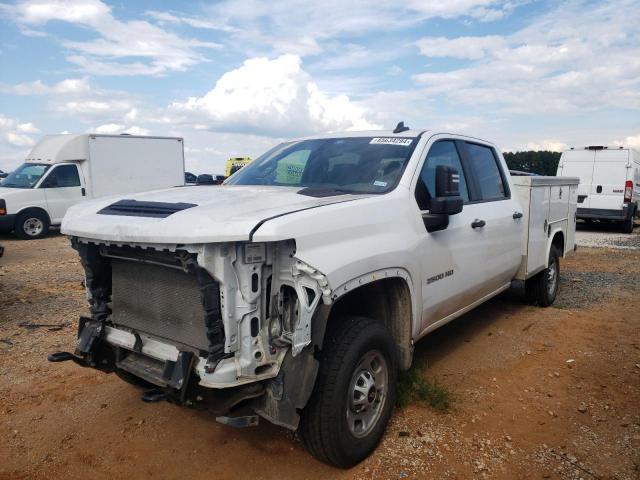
(161, 301)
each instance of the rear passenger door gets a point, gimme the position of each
(503, 229)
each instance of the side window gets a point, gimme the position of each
(63, 176)
(486, 172)
(443, 152)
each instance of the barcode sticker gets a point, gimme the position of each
(403, 142)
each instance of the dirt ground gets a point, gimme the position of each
(538, 393)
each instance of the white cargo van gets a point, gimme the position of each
(62, 170)
(609, 182)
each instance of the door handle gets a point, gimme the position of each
(517, 215)
(84, 192)
(478, 223)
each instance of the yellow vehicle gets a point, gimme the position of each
(234, 164)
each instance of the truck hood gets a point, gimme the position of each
(221, 214)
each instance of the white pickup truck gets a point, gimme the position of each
(299, 287)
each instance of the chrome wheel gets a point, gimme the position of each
(552, 277)
(33, 226)
(367, 393)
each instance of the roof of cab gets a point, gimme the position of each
(412, 133)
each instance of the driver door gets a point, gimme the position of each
(451, 259)
(62, 189)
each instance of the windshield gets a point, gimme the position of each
(25, 176)
(343, 165)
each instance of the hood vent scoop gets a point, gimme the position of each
(136, 208)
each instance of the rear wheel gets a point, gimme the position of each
(354, 394)
(542, 289)
(31, 225)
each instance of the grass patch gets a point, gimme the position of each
(412, 386)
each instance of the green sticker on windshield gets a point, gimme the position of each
(290, 170)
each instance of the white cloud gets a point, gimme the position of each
(571, 59)
(632, 141)
(27, 128)
(132, 47)
(115, 128)
(93, 108)
(550, 145)
(207, 24)
(15, 133)
(76, 11)
(136, 130)
(37, 87)
(461, 47)
(300, 26)
(273, 97)
(108, 128)
(19, 140)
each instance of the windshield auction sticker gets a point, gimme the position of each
(403, 142)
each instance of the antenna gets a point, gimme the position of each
(400, 128)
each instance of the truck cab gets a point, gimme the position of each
(63, 170)
(40, 194)
(299, 287)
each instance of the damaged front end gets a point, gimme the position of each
(211, 326)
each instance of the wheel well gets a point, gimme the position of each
(558, 242)
(387, 301)
(34, 210)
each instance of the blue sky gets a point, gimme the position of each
(235, 77)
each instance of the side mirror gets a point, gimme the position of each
(447, 200)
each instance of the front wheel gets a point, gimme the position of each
(542, 288)
(31, 225)
(354, 395)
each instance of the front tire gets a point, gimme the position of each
(31, 225)
(542, 288)
(354, 395)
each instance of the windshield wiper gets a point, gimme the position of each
(324, 191)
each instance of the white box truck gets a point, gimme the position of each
(62, 170)
(300, 292)
(609, 183)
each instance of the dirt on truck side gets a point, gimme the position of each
(535, 393)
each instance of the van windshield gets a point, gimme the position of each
(360, 165)
(25, 176)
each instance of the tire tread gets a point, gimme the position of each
(319, 418)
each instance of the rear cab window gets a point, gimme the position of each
(489, 180)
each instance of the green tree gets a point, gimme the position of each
(542, 162)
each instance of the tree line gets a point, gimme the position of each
(542, 162)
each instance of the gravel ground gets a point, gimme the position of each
(538, 393)
(607, 236)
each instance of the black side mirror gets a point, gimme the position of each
(447, 200)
